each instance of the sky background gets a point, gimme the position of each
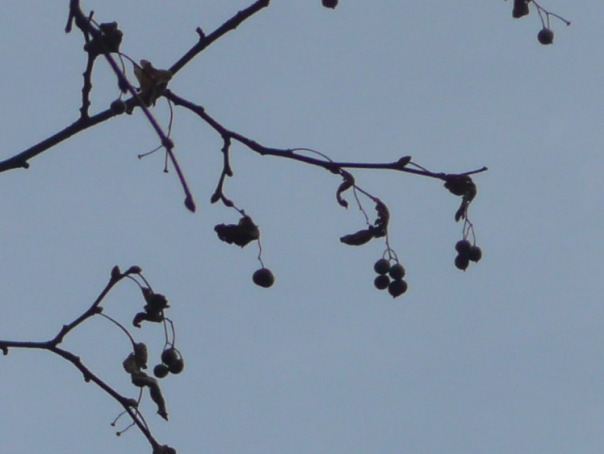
(504, 358)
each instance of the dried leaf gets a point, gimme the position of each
(240, 234)
(344, 186)
(156, 395)
(152, 81)
(108, 41)
(145, 316)
(359, 238)
(521, 9)
(130, 365)
(383, 218)
(141, 355)
(460, 185)
(141, 379)
(156, 302)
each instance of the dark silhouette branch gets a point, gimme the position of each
(206, 40)
(291, 153)
(129, 405)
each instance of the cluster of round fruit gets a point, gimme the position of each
(171, 362)
(263, 277)
(466, 252)
(390, 277)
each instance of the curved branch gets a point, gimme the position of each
(290, 153)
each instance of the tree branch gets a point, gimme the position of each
(290, 153)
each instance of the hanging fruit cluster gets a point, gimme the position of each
(546, 34)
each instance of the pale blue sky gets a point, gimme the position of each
(505, 358)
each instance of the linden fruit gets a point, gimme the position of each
(545, 36)
(463, 247)
(169, 356)
(263, 277)
(462, 262)
(475, 254)
(397, 288)
(161, 370)
(397, 271)
(382, 266)
(177, 367)
(381, 282)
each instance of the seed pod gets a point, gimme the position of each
(382, 266)
(160, 370)
(169, 356)
(381, 282)
(545, 36)
(263, 277)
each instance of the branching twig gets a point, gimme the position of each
(290, 153)
(52, 346)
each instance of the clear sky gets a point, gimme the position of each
(504, 358)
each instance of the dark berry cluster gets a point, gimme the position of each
(390, 277)
(171, 362)
(466, 253)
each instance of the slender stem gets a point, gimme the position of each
(290, 153)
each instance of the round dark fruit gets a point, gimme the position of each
(463, 247)
(397, 288)
(545, 36)
(177, 367)
(382, 266)
(263, 277)
(475, 254)
(381, 282)
(330, 3)
(397, 271)
(462, 262)
(161, 370)
(169, 356)
(118, 107)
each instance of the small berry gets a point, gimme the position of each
(545, 36)
(330, 3)
(462, 262)
(475, 254)
(160, 371)
(381, 282)
(463, 247)
(118, 107)
(169, 356)
(397, 271)
(397, 288)
(382, 266)
(177, 367)
(263, 277)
